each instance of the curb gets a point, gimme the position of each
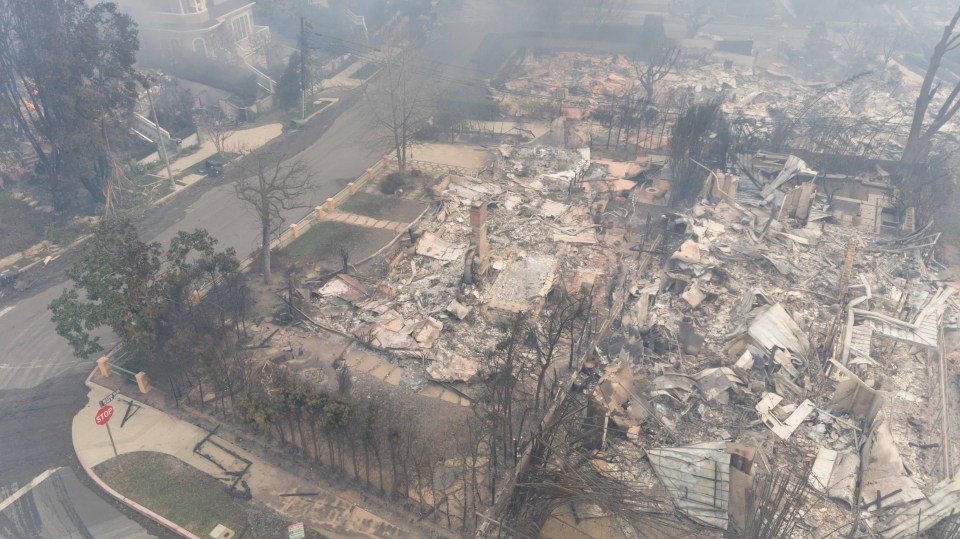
(120, 497)
(162, 201)
(39, 260)
(172, 195)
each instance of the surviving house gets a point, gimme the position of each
(205, 27)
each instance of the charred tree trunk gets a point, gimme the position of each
(919, 142)
(265, 250)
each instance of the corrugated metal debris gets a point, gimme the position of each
(698, 478)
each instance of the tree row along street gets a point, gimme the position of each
(41, 379)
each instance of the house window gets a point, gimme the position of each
(200, 46)
(199, 5)
(241, 27)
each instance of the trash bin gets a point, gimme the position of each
(214, 167)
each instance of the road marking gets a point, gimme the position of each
(8, 309)
(39, 365)
(26, 488)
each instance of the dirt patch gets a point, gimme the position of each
(384, 207)
(456, 155)
(20, 226)
(193, 500)
(436, 420)
(320, 246)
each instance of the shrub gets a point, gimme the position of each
(391, 183)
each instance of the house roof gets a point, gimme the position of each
(215, 16)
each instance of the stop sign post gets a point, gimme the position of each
(103, 415)
(102, 418)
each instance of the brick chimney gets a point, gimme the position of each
(478, 225)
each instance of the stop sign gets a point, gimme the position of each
(104, 414)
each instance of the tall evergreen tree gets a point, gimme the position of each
(288, 87)
(66, 75)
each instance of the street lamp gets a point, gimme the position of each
(146, 81)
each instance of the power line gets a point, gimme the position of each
(365, 53)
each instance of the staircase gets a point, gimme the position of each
(263, 80)
(248, 48)
(144, 128)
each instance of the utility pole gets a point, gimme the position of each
(303, 67)
(160, 145)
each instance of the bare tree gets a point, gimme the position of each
(885, 41)
(697, 16)
(400, 100)
(605, 10)
(269, 185)
(854, 43)
(919, 142)
(853, 40)
(219, 128)
(654, 69)
(561, 475)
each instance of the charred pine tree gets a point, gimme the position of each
(687, 149)
(547, 336)
(506, 368)
(314, 411)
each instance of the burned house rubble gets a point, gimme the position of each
(815, 340)
(494, 247)
(764, 103)
(781, 335)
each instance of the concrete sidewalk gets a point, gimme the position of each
(344, 79)
(243, 139)
(153, 430)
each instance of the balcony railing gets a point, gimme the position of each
(250, 45)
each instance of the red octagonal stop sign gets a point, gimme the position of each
(104, 414)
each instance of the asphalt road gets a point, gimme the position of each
(41, 382)
(62, 507)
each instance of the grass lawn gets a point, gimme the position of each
(365, 72)
(321, 244)
(389, 208)
(179, 492)
(200, 168)
(321, 240)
